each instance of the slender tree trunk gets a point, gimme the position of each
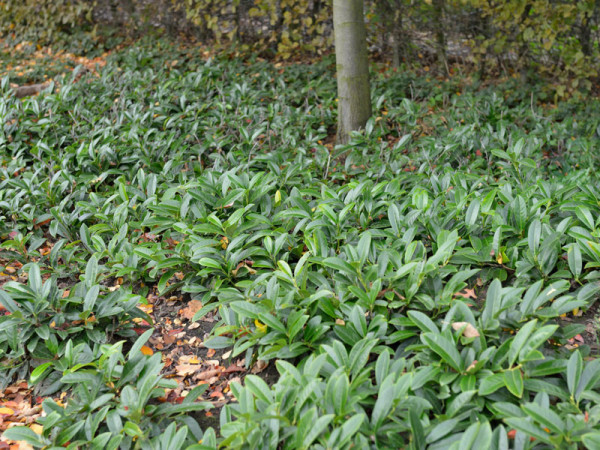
(354, 96)
(391, 14)
(396, 34)
(440, 36)
(585, 30)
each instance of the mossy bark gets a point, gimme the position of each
(354, 95)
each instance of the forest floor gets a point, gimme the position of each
(187, 258)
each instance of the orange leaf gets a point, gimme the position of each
(147, 350)
(469, 293)
(192, 308)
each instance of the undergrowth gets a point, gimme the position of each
(420, 287)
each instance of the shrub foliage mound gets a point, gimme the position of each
(422, 287)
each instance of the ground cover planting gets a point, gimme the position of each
(187, 259)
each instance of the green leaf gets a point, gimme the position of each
(545, 417)
(445, 349)
(91, 271)
(38, 372)
(520, 340)
(139, 343)
(132, 429)
(24, 434)
(394, 218)
(585, 216)
(472, 212)
(316, 429)
(383, 404)
(589, 378)
(423, 322)
(534, 235)
(340, 265)
(350, 428)
(259, 388)
(491, 384)
(529, 429)
(418, 440)
(575, 260)
(513, 380)
(574, 370)
(35, 278)
(591, 440)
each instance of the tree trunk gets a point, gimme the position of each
(354, 96)
(588, 21)
(391, 17)
(397, 41)
(440, 36)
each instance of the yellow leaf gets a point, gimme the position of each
(36, 428)
(146, 350)
(7, 411)
(277, 198)
(260, 326)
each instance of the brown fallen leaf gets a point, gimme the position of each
(470, 331)
(186, 369)
(192, 308)
(208, 374)
(590, 328)
(168, 339)
(468, 293)
(259, 366)
(234, 368)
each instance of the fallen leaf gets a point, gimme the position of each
(468, 293)
(470, 331)
(207, 374)
(147, 350)
(186, 369)
(192, 308)
(590, 329)
(259, 366)
(189, 359)
(168, 339)
(234, 368)
(6, 411)
(36, 428)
